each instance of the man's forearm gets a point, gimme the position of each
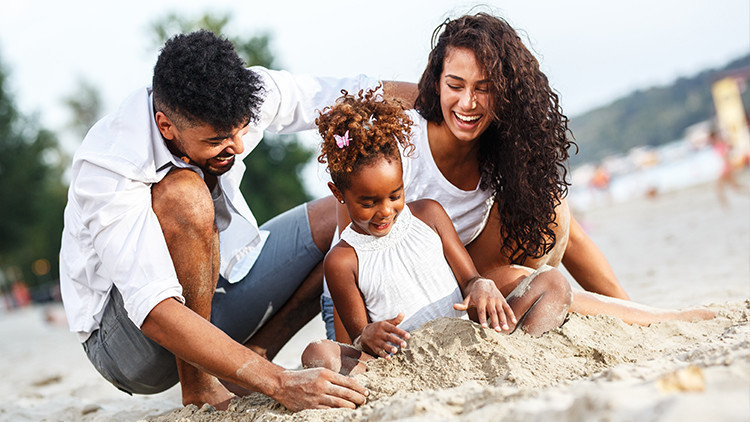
(197, 341)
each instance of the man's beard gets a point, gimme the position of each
(217, 172)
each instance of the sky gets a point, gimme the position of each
(593, 52)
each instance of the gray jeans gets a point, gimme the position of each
(137, 365)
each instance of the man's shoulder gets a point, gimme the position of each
(125, 141)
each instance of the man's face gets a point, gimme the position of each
(211, 151)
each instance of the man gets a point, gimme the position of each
(158, 240)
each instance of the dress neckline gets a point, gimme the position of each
(369, 242)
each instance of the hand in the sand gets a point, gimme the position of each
(319, 388)
(486, 298)
(383, 338)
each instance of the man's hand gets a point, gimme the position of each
(383, 338)
(319, 388)
(484, 295)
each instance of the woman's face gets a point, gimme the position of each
(465, 97)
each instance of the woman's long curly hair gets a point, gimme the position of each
(523, 153)
(375, 129)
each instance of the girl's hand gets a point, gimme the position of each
(383, 338)
(487, 299)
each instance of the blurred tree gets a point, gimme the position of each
(272, 181)
(85, 106)
(32, 192)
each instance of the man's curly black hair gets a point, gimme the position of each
(200, 79)
(523, 153)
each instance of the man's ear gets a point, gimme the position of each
(166, 127)
(336, 192)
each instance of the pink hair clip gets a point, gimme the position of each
(342, 141)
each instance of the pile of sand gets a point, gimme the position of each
(455, 369)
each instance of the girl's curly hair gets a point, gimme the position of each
(523, 153)
(376, 129)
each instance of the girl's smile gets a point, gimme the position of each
(375, 196)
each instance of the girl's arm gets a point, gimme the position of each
(378, 338)
(480, 293)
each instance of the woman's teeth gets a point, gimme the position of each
(465, 118)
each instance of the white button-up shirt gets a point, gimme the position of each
(112, 236)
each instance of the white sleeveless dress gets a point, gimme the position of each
(405, 271)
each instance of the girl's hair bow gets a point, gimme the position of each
(342, 141)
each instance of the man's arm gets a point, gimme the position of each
(293, 101)
(200, 343)
(588, 265)
(405, 93)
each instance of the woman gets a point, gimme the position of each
(491, 147)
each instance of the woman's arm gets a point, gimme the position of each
(588, 265)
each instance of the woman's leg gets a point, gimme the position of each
(587, 303)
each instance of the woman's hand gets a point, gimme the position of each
(383, 338)
(485, 297)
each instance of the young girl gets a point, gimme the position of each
(399, 265)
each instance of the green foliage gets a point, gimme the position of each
(85, 105)
(267, 184)
(272, 181)
(648, 118)
(33, 194)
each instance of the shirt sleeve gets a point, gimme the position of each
(293, 102)
(127, 239)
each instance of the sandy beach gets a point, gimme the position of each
(675, 250)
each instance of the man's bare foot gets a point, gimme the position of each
(214, 394)
(236, 389)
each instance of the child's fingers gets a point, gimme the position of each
(482, 313)
(501, 316)
(397, 320)
(509, 312)
(397, 337)
(463, 305)
(495, 317)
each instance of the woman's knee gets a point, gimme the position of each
(553, 282)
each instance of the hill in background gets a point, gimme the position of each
(650, 117)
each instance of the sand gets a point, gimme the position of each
(680, 249)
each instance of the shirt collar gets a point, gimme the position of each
(163, 157)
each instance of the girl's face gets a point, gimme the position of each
(465, 97)
(375, 196)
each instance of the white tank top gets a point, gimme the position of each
(468, 210)
(405, 271)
